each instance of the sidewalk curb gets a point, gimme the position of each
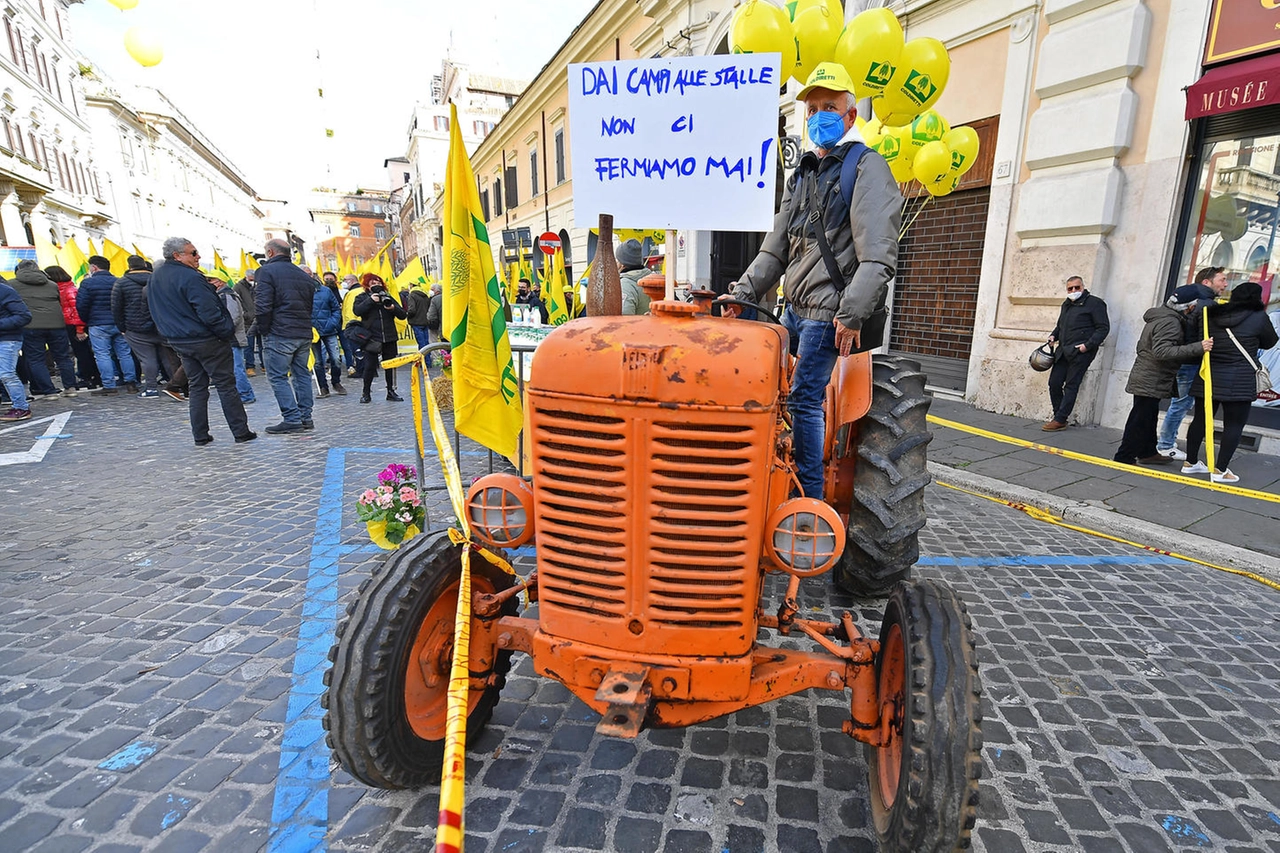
(1115, 524)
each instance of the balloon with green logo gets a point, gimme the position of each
(869, 49)
(872, 132)
(816, 32)
(833, 6)
(932, 163)
(963, 142)
(760, 27)
(917, 82)
(927, 127)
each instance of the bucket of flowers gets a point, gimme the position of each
(393, 512)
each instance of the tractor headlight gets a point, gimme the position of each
(805, 537)
(500, 510)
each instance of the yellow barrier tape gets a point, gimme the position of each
(1180, 479)
(1206, 373)
(1049, 518)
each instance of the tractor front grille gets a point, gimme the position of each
(648, 527)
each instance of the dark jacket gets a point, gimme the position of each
(1233, 376)
(434, 312)
(326, 312)
(93, 302)
(418, 305)
(129, 303)
(863, 236)
(1161, 350)
(14, 314)
(282, 297)
(1083, 321)
(185, 307)
(379, 319)
(244, 292)
(40, 295)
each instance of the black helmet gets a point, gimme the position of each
(1041, 358)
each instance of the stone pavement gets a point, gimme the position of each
(161, 607)
(1212, 515)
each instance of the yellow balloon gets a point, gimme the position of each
(963, 142)
(760, 27)
(918, 81)
(832, 6)
(888, 115)
(901, 170)
(869, 49)
(144, 46)
(872, 132)
(946, 186)
(932, 163)
(816, 33)
(927, 127)
(123, 5)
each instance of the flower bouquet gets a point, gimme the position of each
(393, 512)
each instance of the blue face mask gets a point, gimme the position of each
(826, 129)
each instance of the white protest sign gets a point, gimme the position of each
(682, 142)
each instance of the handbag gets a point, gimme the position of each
(359, 336)
(1261, 378)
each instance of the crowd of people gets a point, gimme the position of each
(173, 329)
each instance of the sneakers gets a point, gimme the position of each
(248, 436)
(249, 371)
(284, 428)
(104, 392)
(171, 394)
(1053, 426)
(70, 392)
(393, 396)
(250, 400)
(149, 394)
(364, 398)
(1224, 477)
(1157, 459)
(339, 390)
(1173, 453)
(1195, 468)
(16, 415)
(351, 371)
(324, 392)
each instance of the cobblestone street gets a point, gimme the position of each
(165, 612)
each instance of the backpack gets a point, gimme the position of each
(419, 306)
(849, 171)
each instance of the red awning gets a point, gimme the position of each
(1235, 86)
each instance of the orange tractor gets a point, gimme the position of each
(661, 495)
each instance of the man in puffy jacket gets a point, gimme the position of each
(133, 319)
(283, 295)
(1161, 349)
(93, 303)
(189, 314)
(1210, 284)
(827, 308)
(326, 319)
(47, 330)
(14, 316)
(1082, 327)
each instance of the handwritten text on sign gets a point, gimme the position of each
(681, 142)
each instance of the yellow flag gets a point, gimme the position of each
(579, 295)
(486, 395)
(412, 276)
(46, 252)
(221, 266)
(385, 271)
(117, 255)
(93, 250)
(553, 290)
(139, 253)
(1206, 373)
(71, 259)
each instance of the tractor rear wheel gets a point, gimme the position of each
(892, 469)
(388, 688)
(924, 779)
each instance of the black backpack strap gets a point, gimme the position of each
(814, 220)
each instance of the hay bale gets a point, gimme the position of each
(442, 387)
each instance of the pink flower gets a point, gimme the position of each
(368, 496)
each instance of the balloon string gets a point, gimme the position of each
(928, 197)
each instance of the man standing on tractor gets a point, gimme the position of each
(836, 239)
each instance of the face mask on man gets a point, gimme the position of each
(1075, 294)
(826, 129)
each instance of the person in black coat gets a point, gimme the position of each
(282, 299)
(133, 319)
(1243, 317)
(1082, 327)
(378, 311)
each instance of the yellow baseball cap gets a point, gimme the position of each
(828, 75)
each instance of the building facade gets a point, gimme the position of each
(164, 177)
(357, 225)
(50, 186)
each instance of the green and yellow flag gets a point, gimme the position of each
(413, 276)
(71, 259)
(220, 266)
(486, 395)
(553, 290)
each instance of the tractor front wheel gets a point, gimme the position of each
(388, 688)
(924, 778)
(892, 469)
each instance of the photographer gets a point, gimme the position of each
(378, 311)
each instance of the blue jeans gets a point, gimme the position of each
(243, 387)
(286, 356)
(9, 374)
(422, 336)
(1178, 407)
(813, 342)
(108, 341)
(328, 344)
